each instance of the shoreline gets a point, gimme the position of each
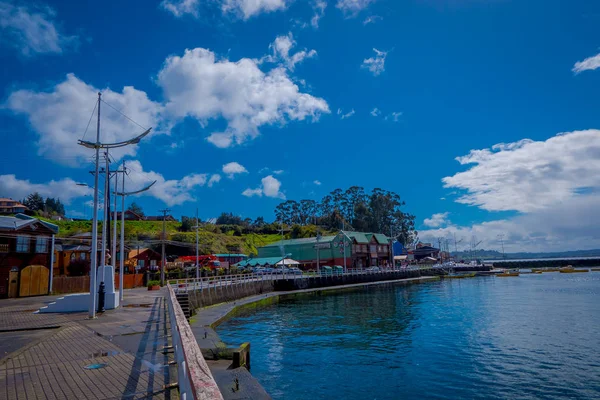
(207, 319)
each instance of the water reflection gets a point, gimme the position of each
(528, 337)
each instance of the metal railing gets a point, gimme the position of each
(194, 378)
(213, 282)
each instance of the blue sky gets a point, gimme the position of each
(375, 93)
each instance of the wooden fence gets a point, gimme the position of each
(81, 284)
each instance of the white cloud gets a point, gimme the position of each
(233, 168)
(181, 7)
(253, 192)
(554, 184)
(530, 175)
(32, 31)
(437, 220)
(347, 115)
(65, 189)
(199, 86)
(243, 9)
(249, 8)
(590, 63)
(278, 172)
(215, 178)
(351, 8)
(170, 191)
(60, 118)
(566, 226)
(319, 7)
(395, 116)
(281, 52)
(371, 19)
(376, 112)
(375, 64)
(270, 187)
(317, 182)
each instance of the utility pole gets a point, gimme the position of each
(115, 219)
(344, 242)
(122, 252)
(164, 237)
(197, 267)
(94, 255)
(106, 216)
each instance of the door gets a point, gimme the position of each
(34, 281)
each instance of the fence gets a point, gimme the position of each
(194, 378)
(81, 284)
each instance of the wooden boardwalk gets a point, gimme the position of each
(123, 354)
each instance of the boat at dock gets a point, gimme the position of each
(535, 270)
(570, 270)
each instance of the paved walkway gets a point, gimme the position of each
(119, 355)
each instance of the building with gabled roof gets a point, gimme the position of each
(361, 250)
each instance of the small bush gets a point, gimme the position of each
(153, 283)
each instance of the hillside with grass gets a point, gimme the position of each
(212, 239)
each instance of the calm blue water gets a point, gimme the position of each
(528, 337)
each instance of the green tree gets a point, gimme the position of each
(35, 202)
(134, 207)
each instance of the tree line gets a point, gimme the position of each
(352, 209)
(51, 206)
(379, 211)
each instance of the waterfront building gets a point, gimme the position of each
(362, 250)
(25, 252)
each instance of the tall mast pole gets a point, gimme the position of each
(122, 252)
(106, 216)
(197, 267)
(114, 222)
(94, 255)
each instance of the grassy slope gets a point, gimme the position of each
(209, 242)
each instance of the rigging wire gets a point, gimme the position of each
(91, 116)
(123, 114)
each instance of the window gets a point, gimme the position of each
(141, 263)
(153, 263)
(82, 256)
(41, 245)
(72, 256)
(22, 244)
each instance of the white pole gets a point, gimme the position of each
(122, 252)
(51, 264)
(94, 252)
(197, 266)
(114, 241)
(344, 239)
(106, 216)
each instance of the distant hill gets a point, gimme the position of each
(496, 255)
(212, 239)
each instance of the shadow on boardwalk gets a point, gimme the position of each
(50, 353)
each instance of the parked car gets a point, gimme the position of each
(338, 269)
(293, 271)
(373, 269)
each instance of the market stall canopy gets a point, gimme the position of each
(288, 261)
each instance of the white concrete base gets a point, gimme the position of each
(81, 301)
